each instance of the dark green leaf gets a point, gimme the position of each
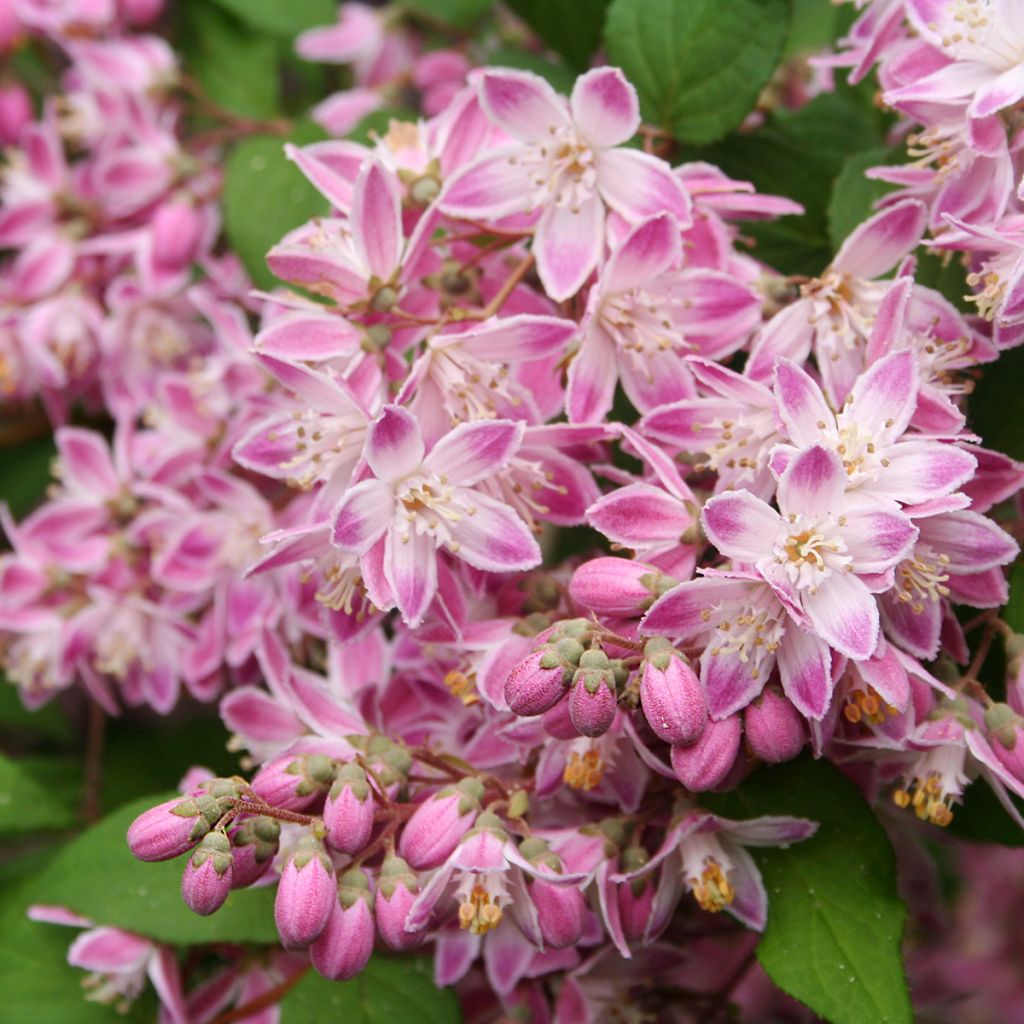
(266, 196)
(834, 919)
(283, 17)
(1013, 613)
(996, 407)
(235, 64)
(982, 818)
(96, 876)
(946, 273)
(854, 194)
(571, 28)
(48, 721)
(27, 804)
(25, 473)
(458, 14)
(699, 65)
(387, 991)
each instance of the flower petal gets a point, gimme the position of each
(410, 567)
(394, 444)
(494, 538)
(813, 482)
(638, 185)
(593, 374)
(740, 525)
(877, 245)
(473, 451)
(639, 515)
(605, 107)
(377, 220)
(802, 406)
(919, 471)
(805, 668)
(877, 538)
(523, 104)
(885, 396)
(687, 610)
(362, 516)
(568, 244)
(652, 247)
(844, 614)
(494, 186)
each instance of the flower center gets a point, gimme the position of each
(481, 897)
(922, 578)
(584, 771)
(811, 551)
(562, 170)
(754, 635)
(935, 784)
(867, 706)
(706, 868)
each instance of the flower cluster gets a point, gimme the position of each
(336, 507)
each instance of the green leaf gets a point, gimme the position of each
(560, 77)
(26, 804)
(236, 65)
(387, 991)
(834, 919)
(983, 819)
(48, 721)
(266, 196)
(280, 17)
(854, 195)
(96, 876)
(995, 409)
(458, 14)
(25, 474)
(1013, 613)
(698, 65)
(571, 28)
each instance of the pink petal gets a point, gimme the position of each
(802, 406)
(972, 542)
(750, 901)
(876, 537)
(394, 445)
(495, 186)
(86, 462)
(915, 626)
(651, 248)
(523, 104)
(568, 244)
(410, 567)
(789, 334)
(1008, 88)
(253, 713)
(593, 374)
(877, 245)
(844, 615)
(494, 538)
(919, 471)
(513, 340)
(639, 515)
(805, 668)
(377, 220)
(664, 378)
(813, 482)
(109, 950)
(473, 451)
(362, 516)
(308, 336)
(741, 526)
(885, 396)
(605, 107)
(681, 612)
(890, 319)
(729, 681)
(638, 185)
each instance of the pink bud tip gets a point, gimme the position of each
(592, 713)
(616, 586)
(533, 687)
(560, 912)
(438, 825)
(207, 879)
(167, 830)
(306, 896)
(344, 946)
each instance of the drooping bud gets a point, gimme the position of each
(671, 694)
(439, 823)
(207, 879)
(536, 683)
(254, 844)
(171, 828)
(593, 699)
(705, 764)
(618, 586)
(635, 897)
(294, 782)
(557, 722)
(560, 912)
(397, 889)
(348, 812)
(1005, 730)
(306, 894)
(773, 727)
(346, 942)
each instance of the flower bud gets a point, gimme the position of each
(618, 586)
(560, 912)
(671, 694)
(254, 844)
(306, 894)
(706, 763)
(439, 823)
(346, 942)
(171, 828)
(773, 727)
(294, 782)
(557, 722)
(593, 700)
(397, 889)
(207, 879)
(635, 897)
(140, 12)
(177, 229)
(15, 112)
(1006, 734)
(537, 682)
(348, 812)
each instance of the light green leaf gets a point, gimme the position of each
(283, 17)
(698, 65)
(457, 14)
(387, 991)
(834, 919)
(27, 804)
(96, 876)
(266, 196)
(572, 28)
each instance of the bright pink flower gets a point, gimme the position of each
(567, 167)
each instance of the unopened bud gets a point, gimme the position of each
(294, 782)
(671, 694)
(706, 764)
(344, 945)
(773, 727)
(439, 823)
(348, 811)
(535, 684)
(306, 894)
(254, 842)
(593, 699)
(206, 881)
(618, 586)
(397, 889)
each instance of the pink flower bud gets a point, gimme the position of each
(536, 683)
(1006, 734)
(557, 722)
(10, 26)
(618, 586)
(140, 12)
(346, 942)
(560, 912)
(207, 879)
(306, 894)
(706, 763)
(593, 700)
(15, 112)
(294, 782)
(177, 230)
(396, 893)
(254, 844)
(439, 823)
(671, 694)
(171, 828)
(773, 727)
(636, 900)
(348, 812)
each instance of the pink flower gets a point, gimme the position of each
(416, 504)
(567, 166)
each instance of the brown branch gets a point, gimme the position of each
(261, 1002)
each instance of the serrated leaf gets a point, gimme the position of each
(854, 194)
(698, 65)
(458, 14)
(283, 18)
(572, 28)
(96, 876)
(388, 990)
(27, 804)
(266, 196)
(835, 921)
